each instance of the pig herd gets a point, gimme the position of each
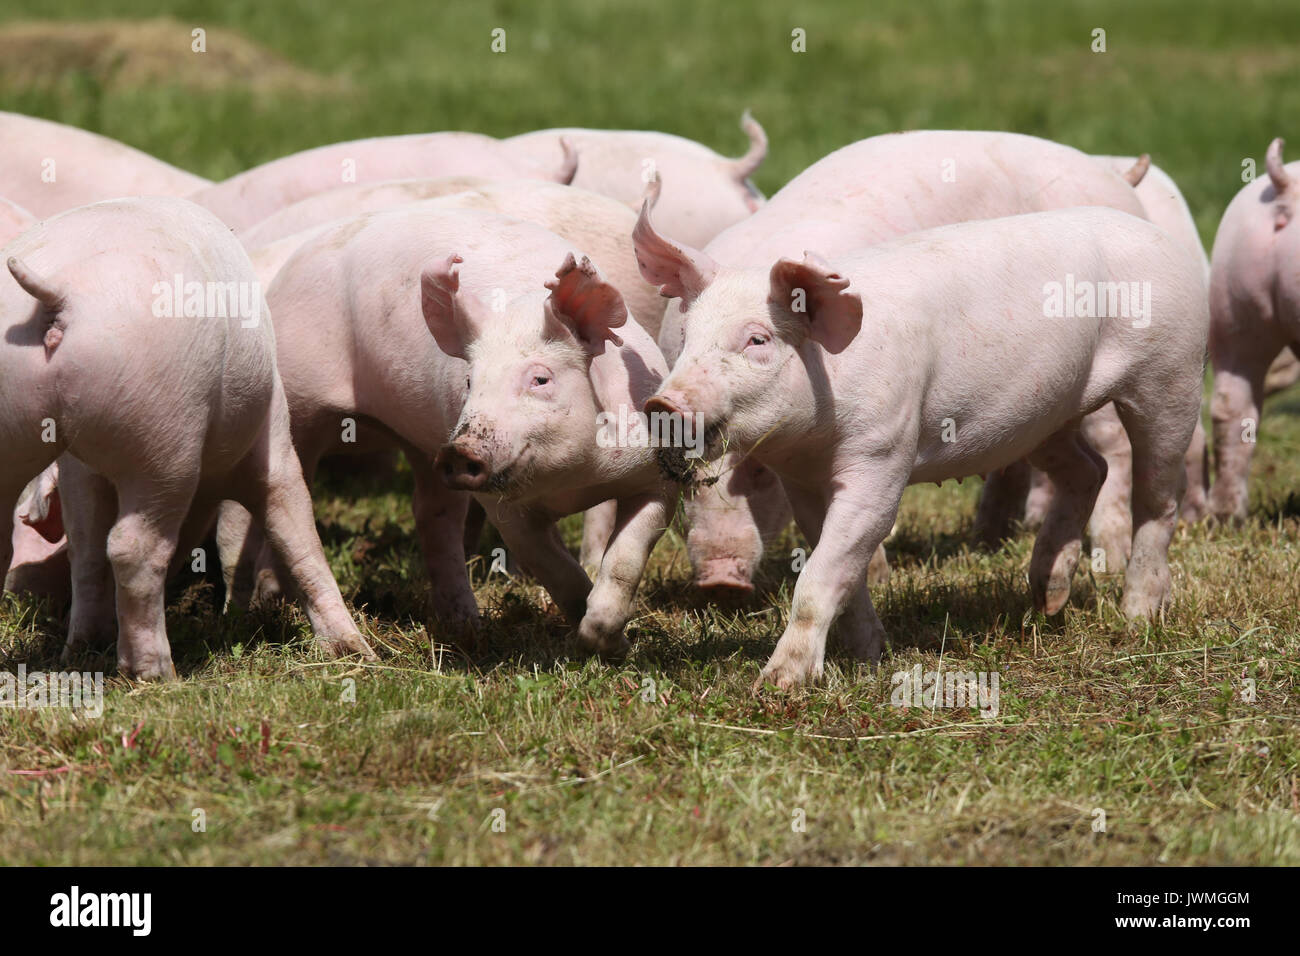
(180, 355)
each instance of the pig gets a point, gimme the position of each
(863, 194)
(705, 192)
(490, 386)
(843, 378)
(257, 193)
(40, 559)
(1254, 315)
(600, 226)
(48, 167)
(1014, 492)
(153, 417)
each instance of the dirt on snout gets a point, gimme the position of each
(123, 54)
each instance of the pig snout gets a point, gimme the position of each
(678, 463)
(668, 403)
(462, 468)
(725, 576)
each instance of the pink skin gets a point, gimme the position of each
(1255, 314)
(858, 196)
(600, 226)
(597, 224)
(704, 193)
(166, 416)
(252, 196)
(355, 308)
(847, 399)
(86, 167)
(40, 557)
(14, 219)
(1003, 499)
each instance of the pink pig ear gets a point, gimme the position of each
(586, 304)
(448, 312)
(679, 271)
(814, 294)
(41, 508)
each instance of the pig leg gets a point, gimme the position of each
(1002, 502)
(440, 515)
(1040, 497)
(274, 492)
(1197, 464)
(1111, 524)
(860, 514)
(533, 540)
(89, 511)
(8, 498)
(1241, 361)
(1282, 374)
(639, 524)
(597, 527)
(1077, 474)
(1159, 476)
(859, 628)
(239, 542)
(140, 548)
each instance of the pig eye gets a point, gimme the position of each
(540, 380)
(757, 338)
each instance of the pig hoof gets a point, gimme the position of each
(267, 590)
(1142, 605)
(1050, 596)
(786, 674)
(152, 669)
(346, 644)
(605, 640)
(1194, 509)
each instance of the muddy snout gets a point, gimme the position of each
(462, 467)
(683, 441)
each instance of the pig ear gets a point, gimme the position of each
(585, 304)
(35, 285)
(814, 294)
(679, 271)
(41, 508)
(448, 312)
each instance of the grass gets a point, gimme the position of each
(522, 753)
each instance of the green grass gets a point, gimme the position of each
(670, 758)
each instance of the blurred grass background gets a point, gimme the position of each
(1148, 725)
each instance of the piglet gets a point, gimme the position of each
(255, 194)
(495, 356)
(704, 192)
(936, 356)
(1254, 315)
(139, 353)
(49, 167)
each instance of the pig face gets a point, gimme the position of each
(529, 419)
(753, 344)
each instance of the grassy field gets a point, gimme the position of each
(525, 754)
